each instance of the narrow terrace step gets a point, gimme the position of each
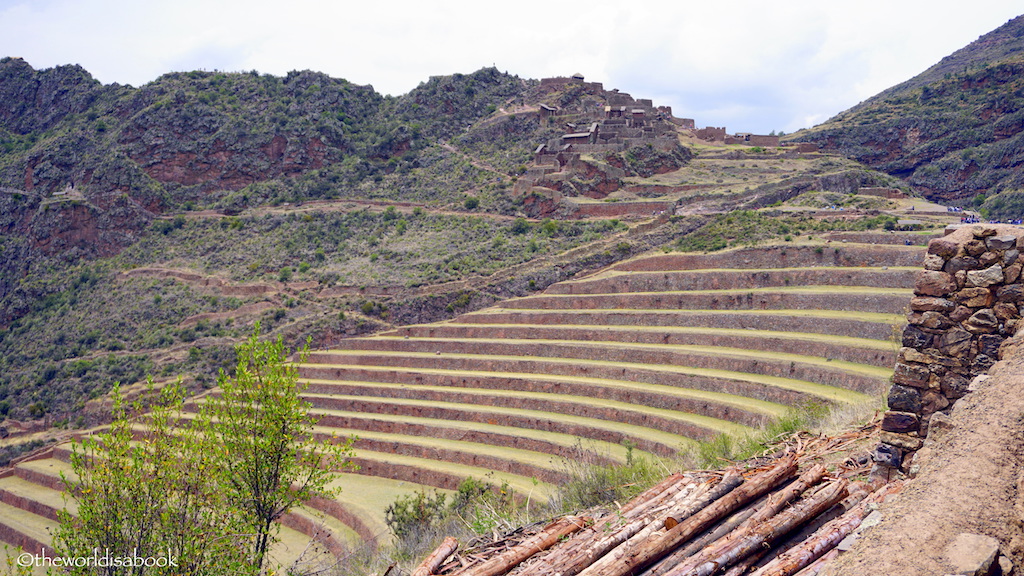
(782, 256)
(876, 326)
(662, 373)
(847, 348)
(859, 298)
(511, 460)
(367, 498)
(744, 398)
(782, 363)
(22, 528)
(35, 498)
(553, 443)
(687, 424)
(446, 475)
(647, 439)
(47, 472)
(579, 396)
(331, 533)
(615, 281)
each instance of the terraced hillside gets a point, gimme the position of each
(647, 355)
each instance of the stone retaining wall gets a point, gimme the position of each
(766, 299)
(965, 305)
(444, 430)
(737, 279)
(553, 384)
(743, 338)
(635, 417)
(533, 422)
(28, 505)
(781, 321)
(832, 254)
(534, 352)
(440, 454)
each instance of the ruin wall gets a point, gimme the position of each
(965, 305)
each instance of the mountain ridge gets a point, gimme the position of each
(953, 132)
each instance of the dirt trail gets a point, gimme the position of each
(971, 479)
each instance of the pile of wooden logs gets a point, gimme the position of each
(773, 520)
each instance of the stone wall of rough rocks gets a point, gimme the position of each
(966, 303)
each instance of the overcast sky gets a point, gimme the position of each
(751, 66)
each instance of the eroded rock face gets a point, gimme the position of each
(963, 310)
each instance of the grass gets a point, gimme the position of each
(875, 317)
(614, 273)
(538, 491)
(824, 392)
(522, 391)
(600, 330)
(567, 441)
(536, 459)
(695, 349)
(368, 496)
(495, 414)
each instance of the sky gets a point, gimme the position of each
(750, 66)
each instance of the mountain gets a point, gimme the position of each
(955, 132)
(145, 230)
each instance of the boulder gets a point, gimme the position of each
(943, 247)
(975, 297)
(1001, 242)
(926, 304)
(911, 375)
(904, 399)
(900, 422)
(902, 441)
(954, 385)
(985, 278)
(1010, 293)
(983, 321)
(934, 283)
(972, 554)
(954, 343)
(959, 263)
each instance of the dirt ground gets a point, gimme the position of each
(971, 479)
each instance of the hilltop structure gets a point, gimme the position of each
(606, 136)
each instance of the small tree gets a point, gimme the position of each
(143, 488)
(262, 433)
(204, 490)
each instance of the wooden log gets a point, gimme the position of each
(825, 538)
(660, 545)
(742, 543)
(670, 494)
(730, 481)
(768, 507)
(655, 492)
(604, 535)
(617, 546)
(539, 542)
(818, 565)
(857, 491)
(430, 565)
(722, 529)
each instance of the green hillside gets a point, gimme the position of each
(954, 132)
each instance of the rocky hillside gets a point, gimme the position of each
(955, 132)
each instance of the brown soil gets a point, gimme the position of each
(971, 479)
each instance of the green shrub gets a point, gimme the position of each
(520, 226)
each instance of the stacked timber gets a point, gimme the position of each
(779, 519)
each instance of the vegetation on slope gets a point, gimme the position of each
(953, 132)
